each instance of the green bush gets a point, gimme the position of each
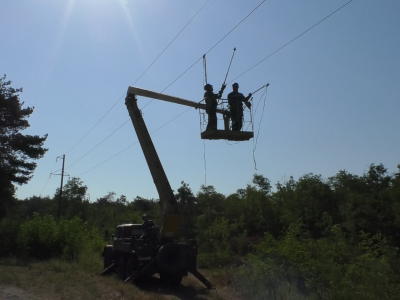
(268, 278)
(9, 228)
(331, 267)
(42, 237)
(38, 237)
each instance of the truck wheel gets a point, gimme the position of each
(108, 257)
(121, 269)
(171, 258)
(129, 268)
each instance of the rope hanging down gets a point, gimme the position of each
(259, 125)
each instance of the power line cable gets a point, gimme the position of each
(172, 41)
(141, 75)
(95, 124)
(209, 50)
(109, 158)
(135, 142)
(98, 144)
(241, 73)
(172, 81)
(304, 32)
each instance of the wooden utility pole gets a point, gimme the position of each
(61, 187)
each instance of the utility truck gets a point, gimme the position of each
(131, 256)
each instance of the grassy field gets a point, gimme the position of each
(59, 279)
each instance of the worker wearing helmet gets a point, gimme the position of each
(211, 100)
(235, 100)
(147, 226)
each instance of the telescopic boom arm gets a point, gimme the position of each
(169, 206)
(159, 96)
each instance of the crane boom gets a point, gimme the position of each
(169, 206)
(155, 95)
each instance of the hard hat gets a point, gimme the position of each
(207, 86)
(235, 84)
(144, 216)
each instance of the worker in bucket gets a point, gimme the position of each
(235, 100)
(211, 100)
(147, 226)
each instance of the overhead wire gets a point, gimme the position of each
(141, 75)
(172, 41)
(137, 141)
(97, 144)
(209, 50)
(292, 40)
(94, 125)
(298, 36)
(173, 80)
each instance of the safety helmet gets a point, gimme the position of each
(144, 216)
(207, 86)
(235, 85)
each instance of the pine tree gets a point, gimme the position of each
(16, 149)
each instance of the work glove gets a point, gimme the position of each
(249, 95)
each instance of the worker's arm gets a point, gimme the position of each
(219, 95)
(246, 101)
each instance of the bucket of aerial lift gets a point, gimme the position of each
(238, 136)
(226, 134)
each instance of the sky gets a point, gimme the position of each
(332, 103)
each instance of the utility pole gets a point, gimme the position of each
(62, 180)
(61, 186)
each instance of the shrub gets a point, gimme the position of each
(9, 228)
(42, 237)
(38, 237)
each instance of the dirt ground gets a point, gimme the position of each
(58, 280)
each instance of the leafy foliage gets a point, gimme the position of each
(42, 237)
(16, 149)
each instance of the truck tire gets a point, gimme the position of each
(171, 258)
(129, 270)
(121, 272)
(108, 256)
